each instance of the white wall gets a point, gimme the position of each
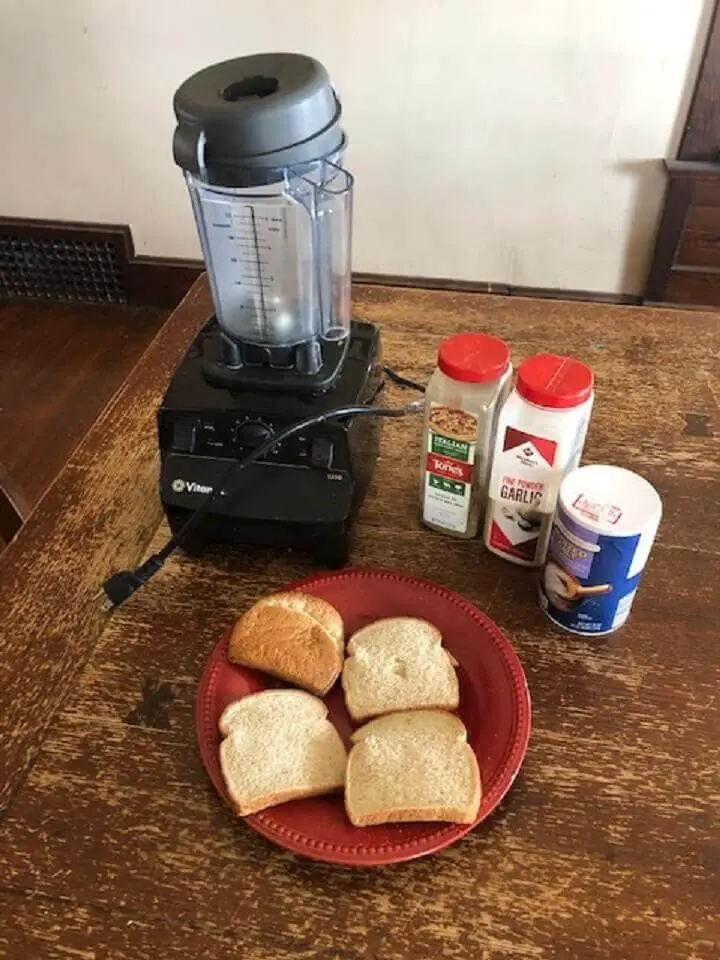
(505, 140)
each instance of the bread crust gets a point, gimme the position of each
(274, 799)
(382, 725)
(414, 815)
(235, 711)
(372, 628)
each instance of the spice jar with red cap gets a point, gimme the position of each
(540, 438)
(462, 401)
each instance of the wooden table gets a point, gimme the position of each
(114, 845)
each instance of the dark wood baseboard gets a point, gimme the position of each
(96, 263)
(498, 289)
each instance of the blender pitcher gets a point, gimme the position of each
(260, 144)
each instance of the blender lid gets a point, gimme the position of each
(241, 121)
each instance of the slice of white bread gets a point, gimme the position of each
(279, 746)
(293, 636)
(411, 766)
(398, 664)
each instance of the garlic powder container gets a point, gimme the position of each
(540, 437)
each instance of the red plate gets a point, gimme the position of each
(494, 706)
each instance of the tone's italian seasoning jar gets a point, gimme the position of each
(463, 397)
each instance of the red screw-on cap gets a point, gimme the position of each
(473, 357)
(548, 380)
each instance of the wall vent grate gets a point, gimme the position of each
(81, 269)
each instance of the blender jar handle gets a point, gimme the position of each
(189, 148)
(326, 196)
(335, 237)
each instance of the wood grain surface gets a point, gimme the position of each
(60, 364)
(114, 845)
(95, 517)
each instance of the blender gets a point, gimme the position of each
(261, 148)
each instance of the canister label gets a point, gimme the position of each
(590, 579)
(449, 466)
(522, 493)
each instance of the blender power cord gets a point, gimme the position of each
(403, 381)
(122, 585)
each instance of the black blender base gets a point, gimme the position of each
(328, 544)
(305, 493)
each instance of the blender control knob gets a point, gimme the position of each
(252, 433)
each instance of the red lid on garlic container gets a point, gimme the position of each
(549, 380)
(473, 357)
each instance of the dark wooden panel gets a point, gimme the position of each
(701, 138)
(678, 198)
(698, 286)
(707, 190)
(685, 248)
(700, 242)
(702, 219)
(697, 159)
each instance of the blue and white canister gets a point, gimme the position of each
(604, 527)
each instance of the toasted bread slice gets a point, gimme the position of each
(317, 608)
(279, 746)
(412, 766)
(398, 664)
(279, 637)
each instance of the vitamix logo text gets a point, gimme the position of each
(189, 486)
